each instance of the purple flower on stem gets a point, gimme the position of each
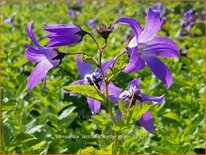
(92, 23)
(9, 20)
(71, 13)
(47, 58)
(145, 46)
(63, 34)
(94, 78)
(135, 96)
(189, 17)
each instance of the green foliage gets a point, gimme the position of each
(41, 122)
(86, 90)
(131, 116)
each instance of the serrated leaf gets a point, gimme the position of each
(85, 90)
(138, 110)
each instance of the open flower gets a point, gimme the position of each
(135, 96)
(145, 46)
(90, 77)
(63, 34)
(47, 58)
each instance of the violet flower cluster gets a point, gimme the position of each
(143, 49)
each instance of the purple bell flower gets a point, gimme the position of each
(63, 34)
(71, 13)
(9, 20)
(92, 23)
(189, 17)
(45, 57)
(138, 97)
(145, 46)
(90, 77)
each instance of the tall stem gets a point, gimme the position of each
(106, 84)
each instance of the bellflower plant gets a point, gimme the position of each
(97, 85)
(47, 58)
(146, 46)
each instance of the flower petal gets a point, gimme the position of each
(152, 26)
(114, 92)
(136, 63)
(63, 34)
(31, 34)
(133, 42)
(61, 28)
(33, 54)
(147, 122)
(134, 24)
(106, 66)
(83, 67)
(161, 46)
(118, 115)
(157, 100)
(63, 40)
(94, 105)
(38, 73)
(160, 70)
(134, 83)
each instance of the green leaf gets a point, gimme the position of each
(136, 112)
(122, 106)
(131, 116)
(172, 115)
(85, 90)
(20, 62)
(66, 112)
(22, 138)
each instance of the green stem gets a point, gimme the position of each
(116, 142)
(131, 100)
(104, 78)
(75, 53)
(95, 41)
(118, 56)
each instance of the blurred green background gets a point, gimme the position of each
(41, 122)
